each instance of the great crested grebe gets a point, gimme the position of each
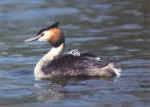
(54, 64)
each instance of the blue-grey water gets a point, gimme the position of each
(114, 28)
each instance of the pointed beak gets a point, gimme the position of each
(33, 38)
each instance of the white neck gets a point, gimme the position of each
(46, 59)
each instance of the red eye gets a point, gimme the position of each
(42, 34)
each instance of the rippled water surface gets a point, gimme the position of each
(105, 27)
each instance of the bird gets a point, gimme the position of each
(57, 64)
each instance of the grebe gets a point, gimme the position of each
(54, 64)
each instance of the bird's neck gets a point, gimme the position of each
(53, 53)
(47, 58)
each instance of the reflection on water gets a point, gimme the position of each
(107, 28)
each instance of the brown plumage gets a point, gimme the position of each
(84, 65)
(57, 36)
(54, 64)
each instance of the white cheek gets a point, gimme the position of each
(45, 37)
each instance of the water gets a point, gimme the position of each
(105, 27)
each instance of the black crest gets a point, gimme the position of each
(54, 25)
